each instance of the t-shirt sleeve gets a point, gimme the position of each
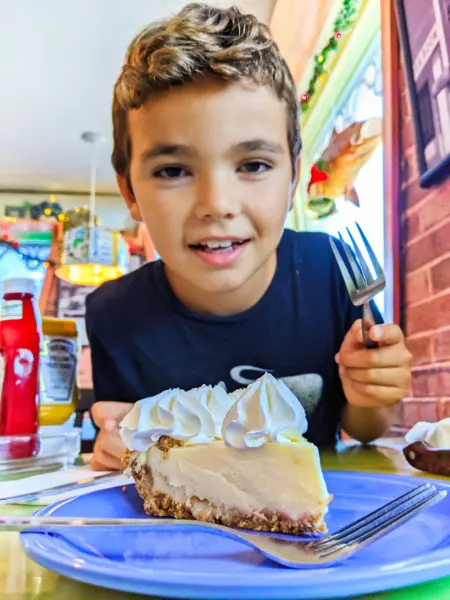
(105, 375)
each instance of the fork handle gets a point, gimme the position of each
(368, 321)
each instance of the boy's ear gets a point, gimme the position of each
(129, 198)
(294, 184)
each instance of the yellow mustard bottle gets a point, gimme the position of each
(57, 370)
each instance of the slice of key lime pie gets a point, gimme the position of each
(237, 459)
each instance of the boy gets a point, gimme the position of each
(206, 151)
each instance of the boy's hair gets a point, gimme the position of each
(200, 41)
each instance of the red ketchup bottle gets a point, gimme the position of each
(19, 366)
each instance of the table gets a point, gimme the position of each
(21, 579)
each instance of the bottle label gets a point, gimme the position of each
(58, 364)
(12, 310)
(23, 363)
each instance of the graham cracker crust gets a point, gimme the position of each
(159, 504)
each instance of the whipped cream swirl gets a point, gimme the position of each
(194, 417)
(264, 412)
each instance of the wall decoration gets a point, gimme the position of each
(31, 255)
(72, 305)
(424, 29)
(343, 23)
(29, 240)
(80, 215)
(336, 170)
(25, 250)
(16, 212)
(45, 210)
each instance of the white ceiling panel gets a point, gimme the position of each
(58, 63)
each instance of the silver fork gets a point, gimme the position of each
(283, 550)
(362, 287)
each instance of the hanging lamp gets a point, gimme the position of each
(92, 254)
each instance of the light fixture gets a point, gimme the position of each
(92, 254)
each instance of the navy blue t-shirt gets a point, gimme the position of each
(144, 340)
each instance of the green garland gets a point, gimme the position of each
(28, 258)
(343, 23)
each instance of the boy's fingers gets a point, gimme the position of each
(109, 448)
(397, 377)
(101, 461)
(111, 443)
(388, 334)
(106, 413)
(109, 425)
(108, 451)
(383, 357)
(354, 335)
(374, 396)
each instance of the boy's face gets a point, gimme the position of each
(212, 179)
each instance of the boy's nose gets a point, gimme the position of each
(215, 199)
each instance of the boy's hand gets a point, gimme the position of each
(108, 447)
(374, 378)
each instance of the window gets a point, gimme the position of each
(362, 100)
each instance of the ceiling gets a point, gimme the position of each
(59, 61)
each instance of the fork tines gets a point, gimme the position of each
(360, 281)
(378, 522)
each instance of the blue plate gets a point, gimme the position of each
(182, 564)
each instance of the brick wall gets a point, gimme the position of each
(425, 239)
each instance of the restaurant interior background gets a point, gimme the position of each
(57, 84)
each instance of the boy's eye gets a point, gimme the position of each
(171, 172)
(254, 166)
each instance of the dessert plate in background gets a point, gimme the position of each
(183, 564)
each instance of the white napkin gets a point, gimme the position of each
(38, 483)
(436, 435)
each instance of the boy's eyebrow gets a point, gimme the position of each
(166, 150)
(260, 144)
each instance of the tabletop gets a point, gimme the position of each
(22, 579)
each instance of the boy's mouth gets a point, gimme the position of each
(218, 246)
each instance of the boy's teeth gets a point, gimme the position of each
(217, 244)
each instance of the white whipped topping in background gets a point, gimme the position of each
(265, 410)
(194, 417)
(436, 435)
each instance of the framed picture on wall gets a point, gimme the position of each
(71, 305)
(424, 28)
